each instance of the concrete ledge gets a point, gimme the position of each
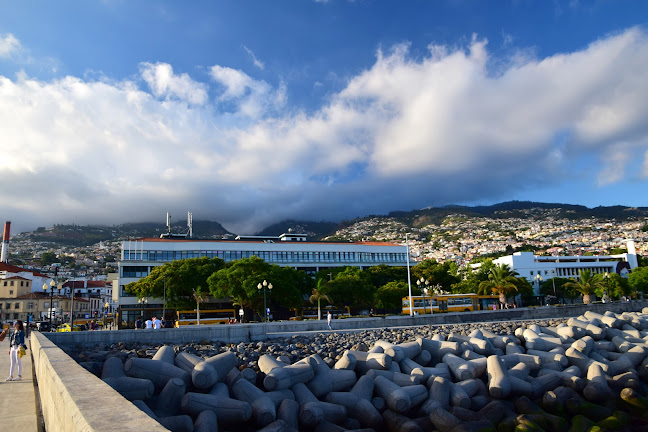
(73, 399)
(235, 333)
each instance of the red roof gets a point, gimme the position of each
(15, 269)
(16, 277)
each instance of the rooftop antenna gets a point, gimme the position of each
(190, 224)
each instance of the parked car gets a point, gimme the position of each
(43, 326)
(66, 328)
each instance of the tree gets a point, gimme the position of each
(48, 258)
(547, 288)
(390, 295)
(382, 274)
(238, 281)
(638, 280)
(444, 274)
(318, 296)
(501, 281)
(350, 287)
(586, 285)
(180, 279)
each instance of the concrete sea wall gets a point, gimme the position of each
(235, 333)
(74, 400)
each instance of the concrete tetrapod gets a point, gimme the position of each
(206, 422)
(227, 410)
(157, 371)
(312, 411)
(279, 376)
(263, 408)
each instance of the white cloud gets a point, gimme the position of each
(402, 134)
(258, 63)
(164, 83)
(9, 45)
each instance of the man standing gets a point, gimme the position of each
(138, 323)
(149, 324)
(329, 317)
(156, 323)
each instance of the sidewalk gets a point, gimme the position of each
(17, 398)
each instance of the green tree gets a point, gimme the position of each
(638, 280)
(48, 258)
(239, 282)
(382, 274)
(501, 281)
(444, 274)
(317, 296)
(350, 287)
(181, 278)
(586, 285)
(547, 288)
(390, 295)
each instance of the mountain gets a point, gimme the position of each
(76, 235)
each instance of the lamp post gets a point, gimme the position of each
(409, 280)
(164, 302)
(143, 301)
(425, 290)
(606, 276)
(539, 279)
(553, 281)
(52, 285)
(262, 286)
(106, 306)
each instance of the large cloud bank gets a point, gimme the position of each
(454, 126)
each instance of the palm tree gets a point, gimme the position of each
(199, 297)
(318, 296)
(587, 284)
(500, 281)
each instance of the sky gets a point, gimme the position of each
(252, 112)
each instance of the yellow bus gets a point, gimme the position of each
(311, 312)
(207, 316)
(449, 303)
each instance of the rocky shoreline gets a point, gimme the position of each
(551, 374)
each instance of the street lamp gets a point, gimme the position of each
(52, 285)
(553, 282)
(262, 286)
(425, 291)
(539, 279)
(606, 276)
(106, 306)
(143, 301)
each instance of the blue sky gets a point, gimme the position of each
(250, 112)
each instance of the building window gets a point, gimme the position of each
(15, 315)
(17, 306)
(11, 283)
(8, 305)
(30, 305)
(10, 292)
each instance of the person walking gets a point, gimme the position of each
(16, 345)
(329, 317)
(138, 323)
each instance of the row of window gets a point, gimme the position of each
(573, 271)
(272, 257)
(31, 305)
(11, 283)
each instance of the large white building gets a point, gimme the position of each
(140, 256)
(536, 268)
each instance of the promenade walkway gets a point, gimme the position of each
(18, 409)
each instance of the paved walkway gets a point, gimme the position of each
(18, 409)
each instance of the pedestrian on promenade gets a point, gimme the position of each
(138, 323)
(329, 317)
(17, 342)
(156, 323)
(149, 324)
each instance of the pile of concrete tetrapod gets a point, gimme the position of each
(588, 374)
